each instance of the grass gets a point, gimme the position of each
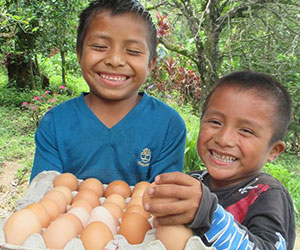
(16, 137)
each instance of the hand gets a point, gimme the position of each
(187, 192)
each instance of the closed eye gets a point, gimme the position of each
(214, 122)
(133, 52)
(99, 47)
(247, 131)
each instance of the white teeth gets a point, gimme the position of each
(113, 78)
(224, 158)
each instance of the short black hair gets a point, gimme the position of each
(116, 7)
(264, 86)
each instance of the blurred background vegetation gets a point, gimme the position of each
(199, 41)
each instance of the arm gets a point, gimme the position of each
(212, 222)
(46, 153)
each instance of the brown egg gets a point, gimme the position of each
(118, 187)
(173, 237)
(146, 199)
(114, 209)
(75, 220)
(66, 179)
(89, 196)
(82, 203)
(41, 212)
(57, 197)
(140, 185)
(59, 233)
(117, 199)
(134, 227)
(66, 191)
(90, 236)
(138, 200)
(51, 207)
(138, 210)
(94, 185)
(20, 225)
(138, 193)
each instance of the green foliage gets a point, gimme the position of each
(39, 105)
(192, 160)
(290, 179)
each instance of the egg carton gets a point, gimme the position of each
(41, 184)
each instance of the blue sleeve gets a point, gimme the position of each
(46, 152)
(225, 233)
(172, 153)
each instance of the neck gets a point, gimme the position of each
(111, 112)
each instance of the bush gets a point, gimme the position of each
(39, 105)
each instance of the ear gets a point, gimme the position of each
(276, 149)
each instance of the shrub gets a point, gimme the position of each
(39, 105)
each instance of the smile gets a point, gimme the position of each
(113, 78)
(223, 158)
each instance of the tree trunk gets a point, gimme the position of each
(63, 66)
(23, 72)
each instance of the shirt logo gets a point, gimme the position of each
(145, 157)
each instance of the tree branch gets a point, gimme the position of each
(177, 50)
(156, 6)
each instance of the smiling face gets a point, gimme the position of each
(115, 56)
(234, 137)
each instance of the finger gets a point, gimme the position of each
(175, 178)
(177, 191)
(178, 219)
(184, 207)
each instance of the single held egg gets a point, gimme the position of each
(89, 196)
(147, 199)
(94, 185)
(140, 185)
(173, 237)
(138, 193)
(138, 210)
(57, 197)
(96, 236)
(66, 179)
(83, 204)
(114, 209)
(134, 227)
(100, 213)
(59, 233)
(66, 191)
(118, 187)
(137, 200)
(20, 225)
(117, 199)
(51, 207)
(41, 212)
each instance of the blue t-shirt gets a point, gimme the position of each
(148, 141)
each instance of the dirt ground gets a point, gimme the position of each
(11, 189)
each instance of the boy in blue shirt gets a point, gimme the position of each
(233, 204)
(113, 132)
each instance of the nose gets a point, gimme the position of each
(115, 58)
(225, 137)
